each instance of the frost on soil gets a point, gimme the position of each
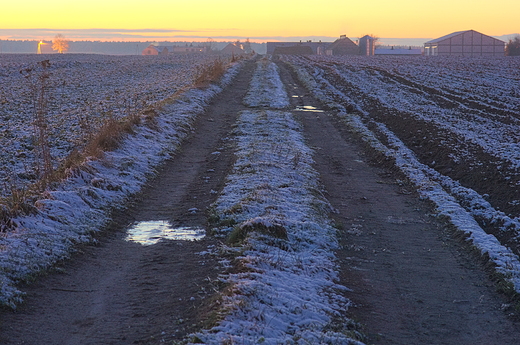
(79, 206)
(480, 116)
(285, 291)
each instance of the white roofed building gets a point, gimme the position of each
(465, 43)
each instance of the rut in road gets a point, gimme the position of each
(411, 282)
(120, 292)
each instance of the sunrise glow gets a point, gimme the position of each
(196, 20)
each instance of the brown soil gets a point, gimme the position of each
(120, 292)
(410, 282)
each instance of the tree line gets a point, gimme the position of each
(513, 47)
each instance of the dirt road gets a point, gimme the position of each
(121, 292)
(410, 282)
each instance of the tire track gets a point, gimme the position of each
(411, 282)
(120, 292)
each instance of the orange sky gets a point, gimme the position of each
(260, 20)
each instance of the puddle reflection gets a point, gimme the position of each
(151, 232)
(309, 108)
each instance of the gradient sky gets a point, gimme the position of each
(264, 20)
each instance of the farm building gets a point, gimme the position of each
(367, 45)
(296, 48)
(342, 46)
(189, 49)
(398, 50)
(153, 49)
(465, 43)
(232, 49)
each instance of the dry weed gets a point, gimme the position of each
(206, 74)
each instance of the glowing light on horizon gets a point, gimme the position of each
(40, 47)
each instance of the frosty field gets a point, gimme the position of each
(82, 93)
(452, 125)
(447, 128)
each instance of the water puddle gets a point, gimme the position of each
(309, 108)
(151, 232)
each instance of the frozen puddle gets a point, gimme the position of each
(151, 232)
(309, 108)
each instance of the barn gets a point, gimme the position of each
(465, 43)
(316, 48)
(155, 50)
(294, 50)
(232, 49)
(342, 46)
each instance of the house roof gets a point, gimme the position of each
(342, 43)
(162, 48)
(440, 39)
(343, 46)
(232, 49)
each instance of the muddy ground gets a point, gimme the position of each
(410, 282)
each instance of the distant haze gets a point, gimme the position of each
(136, 47)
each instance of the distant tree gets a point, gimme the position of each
(60, 43)
(210, 43)
(247, 47)
(513, 47)
(374, 37)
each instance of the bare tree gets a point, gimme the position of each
(210, 44)
(374, 38)
(60, 43)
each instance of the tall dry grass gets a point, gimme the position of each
(38, 81)
(209, 73)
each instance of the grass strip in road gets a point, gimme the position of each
(282, 287)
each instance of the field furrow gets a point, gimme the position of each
(457, 120)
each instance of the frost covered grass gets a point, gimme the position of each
(83, 94)
(266, 89)
(284, 291)
(80, 205)
(463, 207)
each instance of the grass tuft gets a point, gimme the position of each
(240, 232)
